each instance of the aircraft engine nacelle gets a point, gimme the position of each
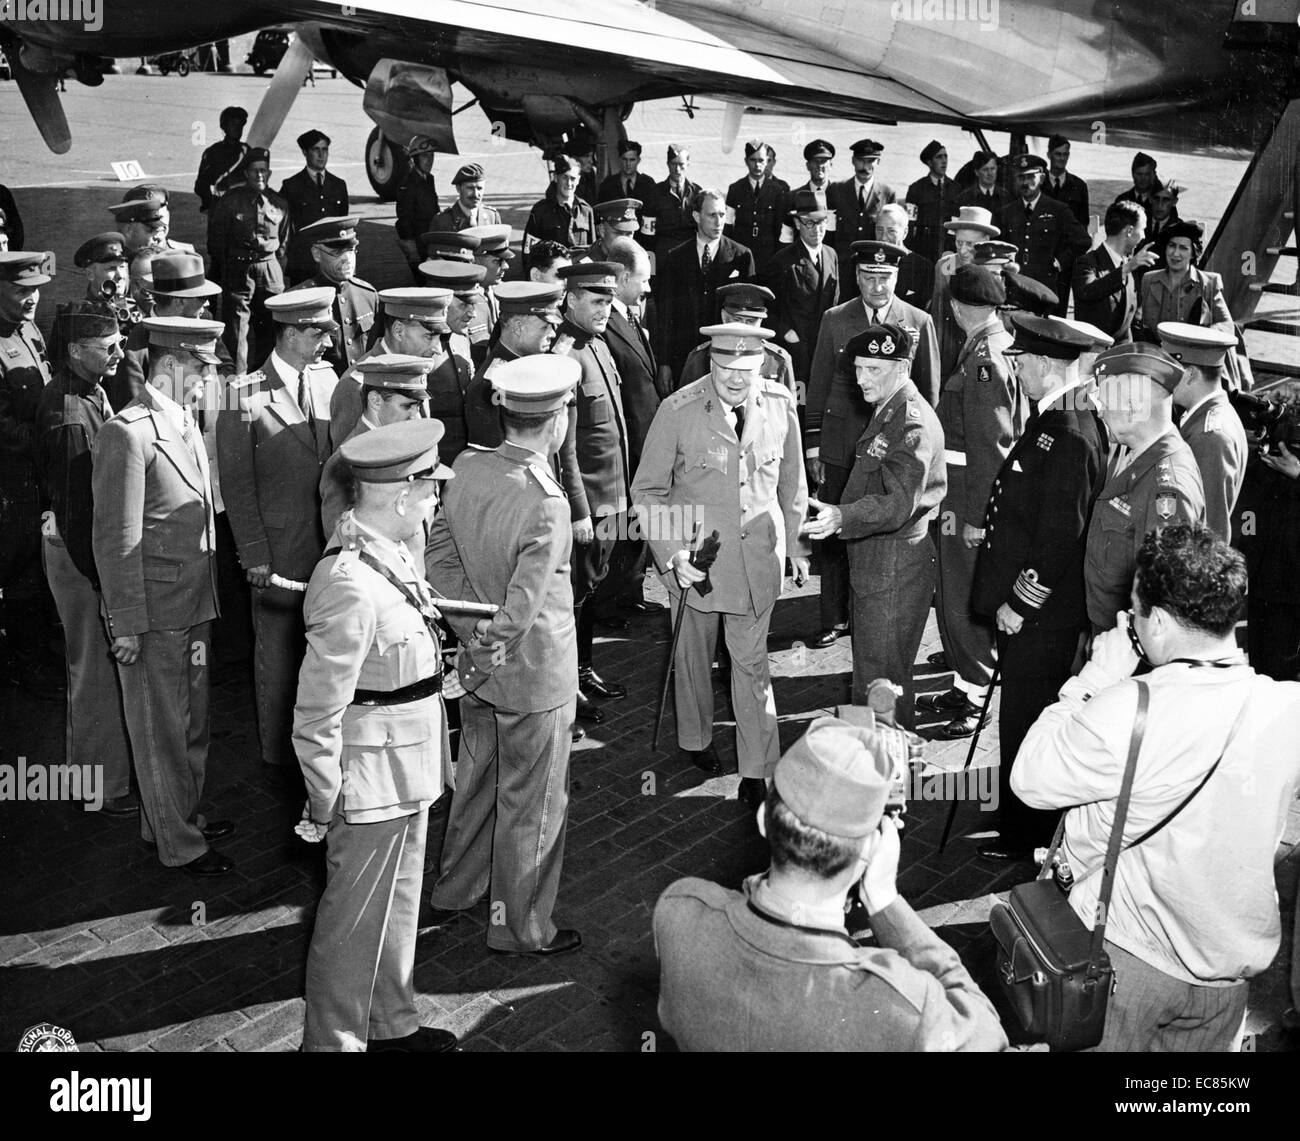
(405, 99)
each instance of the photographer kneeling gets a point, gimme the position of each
(772, 967)
(1194, 912)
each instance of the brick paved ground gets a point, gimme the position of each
(97, 937)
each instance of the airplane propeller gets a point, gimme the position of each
(732, 117)
(280, 94)
(40, 92)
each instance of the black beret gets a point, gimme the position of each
(309, 139)
(887, 342)
(977, 285)
(932, 148)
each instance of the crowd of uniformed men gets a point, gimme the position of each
(905, 357)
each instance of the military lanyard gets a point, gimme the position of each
(405, 591)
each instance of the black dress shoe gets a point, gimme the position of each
(612, 622)
(960, 727)
(705, 759)
(120, 807)
(642, 606)
(938, 660)
(576, 733)
(591, 684)
(217, 830)
(426, 1040)
(823, 640)
(566, 939)
(951, 701)
(1004, 850)
(211, 863)
(753, 791)
(588, 710)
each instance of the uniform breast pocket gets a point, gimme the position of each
(715, 460)
(1116, 534)
(366, 321)
(593, 409)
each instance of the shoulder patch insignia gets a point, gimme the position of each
(912, 438)
(1165, 505)
(545, 478)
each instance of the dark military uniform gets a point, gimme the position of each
(217, 169)
(356, 309)
(1049, 240)
(982, 415)
(851, 223)
(455, 219)
(1032, 561)
(935, 205)
(246, 242)
(893, 491)
(1073, 192)
(1160, 486)
(668, 218)
(417, 206)
(1214, 432)
(755, 217)
(24, 373)
(550, 220)
(310, 201)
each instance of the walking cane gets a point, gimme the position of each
(702, 559)
(970, 754)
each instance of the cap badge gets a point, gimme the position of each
(887, 344)
(879, 256)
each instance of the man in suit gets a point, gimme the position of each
(333, 243)
(888, 502)
(1042, 229)
(154, 547)
(854, 205)
(561, 216)
(804, 280)
(724, 453)
(1210, 425)
(469, 211)
(597, 442)
(272, 441)
(743, 303)
(756, 206)
(247, 232)
(972, 225)
(982, 414)
(417, 201)
(530, 316)
(688, 278)
(73, 410)
(986, 192)
(836, 415)
(915, 283)
(667, 220)
(635, 360)
(313, 193)
(414, 324)
(629, 182)
(393, 389)
(932, 201)
(1105, 281)
(504, 537)
(368, 729)
(1029, 574)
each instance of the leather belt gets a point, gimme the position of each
(957, 459)
(416, 691)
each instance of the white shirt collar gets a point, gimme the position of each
(287, 372)
(1114, 254)
(1032, 202)
(813, 253)
(620, 306)
(700, 243)
(369, 423)
(755, 183)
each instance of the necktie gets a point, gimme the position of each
(304, 402)
(706, 260)
(862, 199)
(320, 181)
(739, 410)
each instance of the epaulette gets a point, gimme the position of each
(693, 391)
(546, 479)
(773, 387)
(1212, 423)
(247, 380)
(363, 283)
(1165, 475)
(132, 412)
(351, 546)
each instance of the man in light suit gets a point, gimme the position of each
(687, 280)
(837, 415)
(743, 303)
(504, 537)
(804, 279)
(369, 733)
(272, 446)
(154, 542)
(854, 205)
(1105, 279)
(723, 456)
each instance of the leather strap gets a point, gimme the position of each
(405, 591)
(416, 691)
